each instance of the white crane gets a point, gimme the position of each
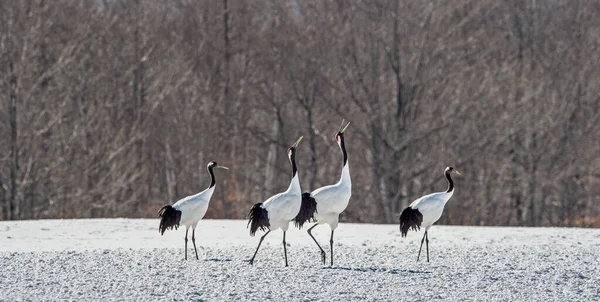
(189, 210)
(426, 210)
(325, 204)
(280, 209)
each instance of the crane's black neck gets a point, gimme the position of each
(343, 147)
(212, 177)
(293, 161)
(450, 182)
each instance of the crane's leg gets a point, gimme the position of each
(421, 246)
(285, 250)
(427, 243)
(186, 240)
(194, 242)
(311, 236)
(331, 244)
(261, 240)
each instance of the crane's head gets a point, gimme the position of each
(450, 170)
(292, 150)
(213, 164)
(339, 136)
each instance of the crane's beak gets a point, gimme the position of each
(342, 128)
(456, 172)
(295, 145)
(222, 167)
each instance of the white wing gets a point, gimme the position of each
(194, 207)
(331, 199)
(283, 206)
(431, 206)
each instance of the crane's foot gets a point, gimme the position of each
(323, 257)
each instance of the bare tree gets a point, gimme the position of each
(113, 108)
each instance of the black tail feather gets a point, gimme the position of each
(258, 219)
(410, 219)
(169, 218)
(307, 210)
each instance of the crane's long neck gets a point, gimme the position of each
(450, 182)
(343, 147)
(295, 183)
(345, 178)
(212, 177)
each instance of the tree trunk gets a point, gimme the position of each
(4, 200)
(272, 158)
(139, 93)
(14, 150)
(313, 168)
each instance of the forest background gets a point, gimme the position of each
(114, 108)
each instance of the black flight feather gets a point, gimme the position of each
(307, 210)
(410, 219)
(258, 219)
(169, 218)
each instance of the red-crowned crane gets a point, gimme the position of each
(325, 204)
(425, 211)
(277, 211)
(189, 210)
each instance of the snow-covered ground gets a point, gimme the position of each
(127, 259)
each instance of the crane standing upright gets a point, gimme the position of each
(277, 211)
(326, 203)
(426, 210)
(189, 210)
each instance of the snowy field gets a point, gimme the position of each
(127, 259)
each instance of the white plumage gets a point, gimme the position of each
(333, 199)
(283, 207)
(194, 207)
(190, 210)
(431, 206)
(277, 211)
(426, 210)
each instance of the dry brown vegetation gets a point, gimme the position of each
(113, 108)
